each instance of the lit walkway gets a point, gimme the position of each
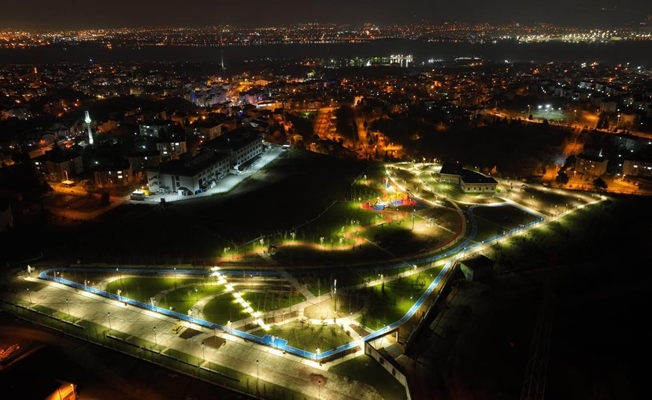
(265, 363)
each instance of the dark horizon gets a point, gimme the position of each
(75, 14)
(612, 53)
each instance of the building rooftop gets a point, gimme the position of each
(234, 139)
(451, 168)
(193, 166)
(478, 262)
(589, 157)
(469, 176)
(58, 155)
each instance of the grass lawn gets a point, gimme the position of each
(390, 301)
(565, 237)
(338, 221)
(550, 201)
(200, 228)
(365, 369)
(495, 220)
(224, 308)
(398, 238)
(309, 337)
(267, 300)
(182, 293)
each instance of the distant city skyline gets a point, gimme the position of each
(89, 14)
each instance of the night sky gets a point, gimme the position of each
(73, 14)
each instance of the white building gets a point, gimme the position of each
(189, 175)
(242, 145)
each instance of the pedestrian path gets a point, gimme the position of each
(300, 287)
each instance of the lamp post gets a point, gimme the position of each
(257, 375)
(155, 338)
(203, 352)
(68, 306)
(413, 211)
(30, 295)
(319, 388)
(108, 314)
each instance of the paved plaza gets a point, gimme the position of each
(262, 364)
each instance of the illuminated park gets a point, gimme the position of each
(365, 269)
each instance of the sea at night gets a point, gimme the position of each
(634, 52)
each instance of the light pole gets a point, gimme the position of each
(413, 211)
(30, 295)
(155, 339)
(257, 375)
(196, 295)
(108, 314)
(319, 388)
(203, 352)
(68, 306)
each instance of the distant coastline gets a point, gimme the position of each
(634, 52)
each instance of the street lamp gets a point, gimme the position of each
(319, 388)
(257, 375)
(155, 339)
(68, 306)
(196, 295)
(203, 352)
(30, 295)
(413, 211)
(109, 315)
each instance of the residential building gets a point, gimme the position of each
(638, 165)
(590, 165)
(58, 165)
(189, 175)
(156, 129)
(630, 142)
(143, 160)
(171, 149)
(117, 173)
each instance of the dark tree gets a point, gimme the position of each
(599, 183)
(562, 178)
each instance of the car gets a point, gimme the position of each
(177, 328)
